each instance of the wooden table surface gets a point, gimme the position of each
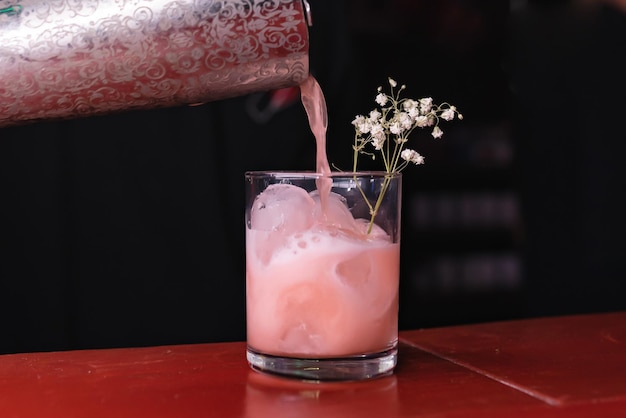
(571, 366)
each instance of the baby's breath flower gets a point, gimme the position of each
(410, 104)
(381, 99)
(405, 120)
(375, 115)
(395, 128)
(437, 132)
(412, 156)
(387, 130)
(426, 104)
(422, 121)
(448, 114)
(414, 112)
(378, 136)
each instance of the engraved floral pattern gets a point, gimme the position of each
(69, 58)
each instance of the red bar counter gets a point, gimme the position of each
(570, 366)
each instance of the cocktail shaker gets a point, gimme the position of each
(63, 59)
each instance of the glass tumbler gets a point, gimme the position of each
(322, 273)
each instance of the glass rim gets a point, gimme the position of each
(314, 174)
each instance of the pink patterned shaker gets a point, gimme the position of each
(68, 58)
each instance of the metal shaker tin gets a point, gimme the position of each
(64, 59)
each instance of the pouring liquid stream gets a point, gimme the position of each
(314, 104)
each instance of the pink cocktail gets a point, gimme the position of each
(322, 276)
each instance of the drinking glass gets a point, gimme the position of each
(322, 273)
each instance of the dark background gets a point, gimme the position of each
(109, 225)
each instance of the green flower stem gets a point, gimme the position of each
(373, 209)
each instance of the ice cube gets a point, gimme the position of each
(355, 272)
(371, 277)
(373, 231)
(336, 212)
(282, 207)
(308, 313)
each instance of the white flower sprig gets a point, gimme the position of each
(386, 131)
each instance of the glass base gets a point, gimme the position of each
(362, 367)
